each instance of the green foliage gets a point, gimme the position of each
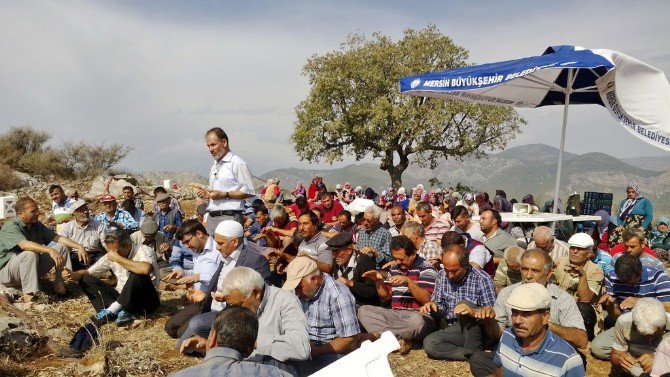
(9, 181)
(354, 107)
(25, 149)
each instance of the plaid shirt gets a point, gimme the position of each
(379, 238)
(429, 250)
(331, 313)
(476, 287)
(120, 216)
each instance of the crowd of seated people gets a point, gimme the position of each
(317, 279)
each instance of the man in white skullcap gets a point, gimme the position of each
(229, 239)
(529, 345)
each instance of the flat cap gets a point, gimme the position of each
(340, 240)
(528, 297)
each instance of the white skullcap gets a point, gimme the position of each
(229, 228)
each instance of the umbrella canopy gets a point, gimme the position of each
(562, 75)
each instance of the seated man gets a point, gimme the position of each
(282, 337)
(350, 266)
(231, 339)
(148, 235)
(115, 219)
(331, 208)
(637, 334)
(181, 257)
(167, 218)
(509, 269)
(261, 221)
(634, 243)
(330, 309)
(565, 319)
(136, 290)
(138, 214)
(60, 201)
(409, 286)
(629, 282)
(206, 261)
(128, 193)
(460, 291)
(480, 256)
(24, 256)
(174, 204)
(530, 345)
(282, 228)
(373, 237)
(433, 227)
(496, 239)
(229, 239)
(426, 249)
(313, 244)
(581, 278)
(661, 367)
(85, 231)
(398, 219)
(345, 223)
(462, 223)
(543, 239)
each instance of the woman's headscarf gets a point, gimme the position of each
(605, 220)
(630, 203)
(528, 199)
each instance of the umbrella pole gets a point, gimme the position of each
(568, 91)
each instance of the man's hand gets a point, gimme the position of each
(58, 259)
(574, 270)
(369, 250)
(627, 361)
(388, 265)
(169, 228)
(69, 276)
(345, 281)
(464, 309)
(84, 258)
(429, 307)
(176, 274)
(399, 280)
(203, 194)
(373, 275)
(113, 255)
(193, 344)
(606, 301)
(628, 303)
(196, 295)
(189, 279)
(646, 361)
(218, 296)
(486, 312)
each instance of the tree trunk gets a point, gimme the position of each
(396, 178)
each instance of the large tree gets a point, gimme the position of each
(354, 107)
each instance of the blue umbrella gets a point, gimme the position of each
(562, 75)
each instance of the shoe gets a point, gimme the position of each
(103, 316)
(124, 318)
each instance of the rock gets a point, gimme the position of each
(115, 188)
(16, 339)
(91, 366)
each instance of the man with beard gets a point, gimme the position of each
(409, 286)
(530, 346)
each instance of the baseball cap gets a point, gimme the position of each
(528, 297)
(77, 204)
(229, 228)
(581, 240)
(298, 269)
(108, 198)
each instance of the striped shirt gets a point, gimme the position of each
(436, 229)
(476, 287)
(563, 310)
(646, 259)
(653, 283)
(554, 357)
(331, 313)
(422, 273)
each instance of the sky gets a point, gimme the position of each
(155, 75)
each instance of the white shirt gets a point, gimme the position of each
(90, 237)
(228, 264)
(138, 253)
(68, 203)
(230, 174)
(205, 264)
(475, 232)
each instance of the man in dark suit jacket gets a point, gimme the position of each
(350, 266)
(229, 237)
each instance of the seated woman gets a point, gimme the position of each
(602, 231)
(635, 211)
(659, 239)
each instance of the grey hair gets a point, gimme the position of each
(277, 211)
(543, 233)
(649, 315)
(374, 211)
(414, 228)
(243, 280)
(423, 206)
(513, 253)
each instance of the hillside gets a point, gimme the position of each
(520, 170)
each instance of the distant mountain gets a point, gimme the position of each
(660, 163)
(527, 169)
